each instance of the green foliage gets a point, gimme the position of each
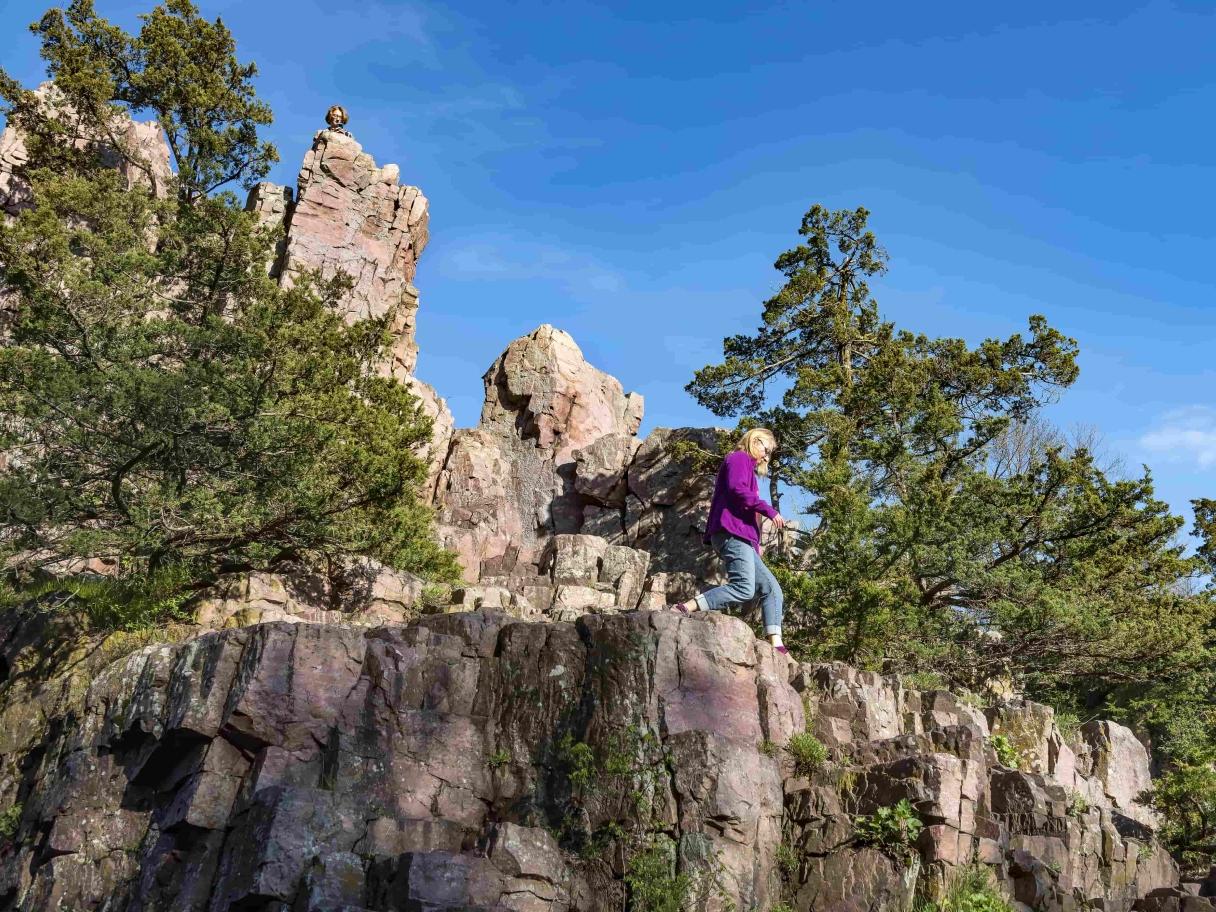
(924, 680)
(1205, 530)
(1068, 724)
(181, 68)
(579, 760)
(1078, 804)
(947, 529)
(893, 829)
(166, 402)
(768, 748)
(619, 780)
(969, 890)
(500, 758)
(654, 885)
(1185, 796)
(808, 753)
(1007, 753)
(436, 597)
(844, 779)
(10, 819)
(787, 860)
(700, 460)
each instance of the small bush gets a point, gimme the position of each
(1068, 724)
(499, 758)
(1077, 804)
(768, 748)
(923, 680)
(969, 890)
(436, 597)
(10, 818)
(109, 604)
(787, 859)
(653, 884)
(808, 752)
(1006, 753)
(844, 779)
(893, 829)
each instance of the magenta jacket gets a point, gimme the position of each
(737, 500)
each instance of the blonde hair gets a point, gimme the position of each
(747, 443)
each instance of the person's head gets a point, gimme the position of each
(760, 444)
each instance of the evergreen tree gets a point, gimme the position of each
(922, 550)
(162, 401)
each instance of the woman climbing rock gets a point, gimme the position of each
(734, 532)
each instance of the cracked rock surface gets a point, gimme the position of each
(436, 765)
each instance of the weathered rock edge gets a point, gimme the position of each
(308, 767)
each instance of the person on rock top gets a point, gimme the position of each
(734, 532)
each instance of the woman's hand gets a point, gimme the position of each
(778, 521)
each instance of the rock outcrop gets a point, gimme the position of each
(556, 453)
(143, 156)
(547, 738)
(350, 216)
(475, 760)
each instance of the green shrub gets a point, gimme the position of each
(1006, 753)
(893, 829)
(108, 604)
(654, 885)
(1077, 804)
(969, 890)
(1068, 724)
(436, 597)
(923, 680)
(10, 818)
(787, 859)
(844, 778)
(1185, 797)
(808, 752)
(499, 758)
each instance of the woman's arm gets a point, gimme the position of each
(739, 469)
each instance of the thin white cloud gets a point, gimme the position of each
(1185, 435)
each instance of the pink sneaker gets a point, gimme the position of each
(782, 650)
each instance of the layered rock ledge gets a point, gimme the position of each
(441, 765)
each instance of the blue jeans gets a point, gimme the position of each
(747, 577)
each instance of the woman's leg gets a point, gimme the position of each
(772, 601)
(739, 560)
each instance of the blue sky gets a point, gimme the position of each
(629, 172)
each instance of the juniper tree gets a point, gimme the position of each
(162, 401)
(919, 552)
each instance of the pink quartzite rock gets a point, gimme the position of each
(324, 767)
(354, 217)
(508, 485)
(476, 761)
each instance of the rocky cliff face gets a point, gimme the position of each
(550, 737)
(476, 760)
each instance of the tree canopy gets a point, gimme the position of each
(933, 540)
(163, 402)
